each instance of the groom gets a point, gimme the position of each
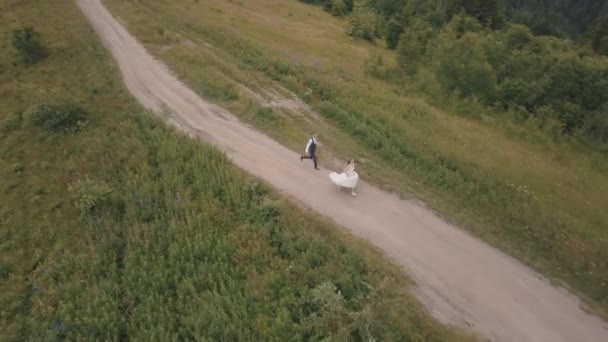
(311, 148)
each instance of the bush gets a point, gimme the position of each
(219, 91)
(12, 122)
(62, 117)
(89, 195)
(338, 8)
(5, 271)
(597, 127)
(269, 210)
(28, 44)
(18, 168)
(362, 24)
(265, 115)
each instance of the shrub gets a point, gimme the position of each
(269, 210)
(65, 117)
(264, 114)
(597, 126)
(328, 298)
(338, 8)
(89, 195)
(219, 91)
(18, 168)
(5, 271)
(28, 44)
(362, 24)
(12, 122)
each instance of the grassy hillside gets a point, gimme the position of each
(114, 227)
(534, 193)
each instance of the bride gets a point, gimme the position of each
(348, 178)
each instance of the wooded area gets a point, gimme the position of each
(544, 60)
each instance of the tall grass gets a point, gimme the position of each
(538, 198)
(125, 229)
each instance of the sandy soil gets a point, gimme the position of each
(460, 279)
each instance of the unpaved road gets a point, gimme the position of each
(461, 279)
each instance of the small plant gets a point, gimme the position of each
(256, 190)
(219, 91)
(63, 117)
(265, 115)
(18, 168)
(269, 210)
(5, 271)
(89, 195)
(28, 44)
(12, 122)
(328, 298)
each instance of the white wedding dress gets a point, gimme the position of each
(347, 179)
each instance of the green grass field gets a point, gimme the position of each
(116, 227)
(536, 195)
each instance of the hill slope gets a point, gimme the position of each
(512, 180)
(452, 268)
(114, 227)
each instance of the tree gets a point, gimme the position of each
(486, 11)
(393, 31)
(462, 66)
(412, 45)
(461, 24)
(518, 37)
(597, 126)
(386, 7)
(599, 40)
(349, 5)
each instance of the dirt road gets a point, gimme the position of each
(461, 279)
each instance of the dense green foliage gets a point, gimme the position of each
(28, 44)
(476, 50)
(559, 17)
(61, 117)
(125, 229)
(599, 36)
(336, 7)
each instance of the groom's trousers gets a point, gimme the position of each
(312, 156)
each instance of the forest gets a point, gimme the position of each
(539, 60)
